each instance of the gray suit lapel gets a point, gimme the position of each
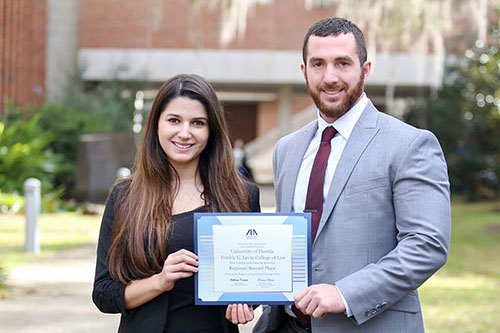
(363, 132)
(292, 163)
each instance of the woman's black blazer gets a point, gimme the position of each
(108, 294)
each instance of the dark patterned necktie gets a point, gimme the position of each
(314, 200)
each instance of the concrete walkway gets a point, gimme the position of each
(54, 295)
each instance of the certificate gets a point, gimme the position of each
(251, 258)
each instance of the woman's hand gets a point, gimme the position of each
(178, 265)
(239, 313)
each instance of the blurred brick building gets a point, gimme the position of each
(23, 26)
(38, 49)
(256, 74)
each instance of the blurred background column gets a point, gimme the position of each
(32, 202)
(285, 95)
(62, 45)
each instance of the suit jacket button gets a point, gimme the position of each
(368, 313)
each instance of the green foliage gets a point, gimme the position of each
(103, 108)
(11, 203)
(42, 142)
(442, 113)
(67, 124)
(465, 116)
(25, 153)
(52, 200)
(482, 113)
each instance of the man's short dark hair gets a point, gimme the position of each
(335, 26)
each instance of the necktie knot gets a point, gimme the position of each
(328, 133)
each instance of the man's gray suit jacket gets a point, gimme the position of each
(385, 227)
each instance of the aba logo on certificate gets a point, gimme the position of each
(251, 234)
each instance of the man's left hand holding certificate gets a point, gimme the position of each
(251, 258)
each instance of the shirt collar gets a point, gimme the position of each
(345, 124)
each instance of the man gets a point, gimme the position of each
(383, 218)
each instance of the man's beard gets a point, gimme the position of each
(348, 102)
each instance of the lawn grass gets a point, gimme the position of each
(464, 296)
(58, 232)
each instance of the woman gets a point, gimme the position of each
(145, 263)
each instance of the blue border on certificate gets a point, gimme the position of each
(204, 223)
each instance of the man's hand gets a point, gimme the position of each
(319, 299)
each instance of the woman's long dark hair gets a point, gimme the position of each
(143, 208)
